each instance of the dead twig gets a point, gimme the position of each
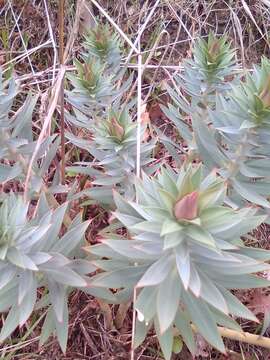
(55, 94)
(61, 58)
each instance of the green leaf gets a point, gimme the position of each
(168, 182)
(101, 293)
(170, 226)
(217, 217)
(26, 281)
(51, 236)
(133, 249)
(211, 294)
(10, 324)
(66, 276)
(249, 194)
(127, 220)
(235, 306)
(177, 345)
(58, 298)
(212, 195)
(62, 328)
(182, 322)
(266, 321)
(166, 342)
(140, 333)
(27, 305)
(108, 180)
(148, 226)
(7, 274)
(167, 305)
(30, 238)
(183, 266)
(48, 327)
(8, 297)
(174, 116)
(195, 283)
(201, 235)
(167, 199)
(20, 259)
(157, 272)
(203, 319)
(8, 173)
(125, 277)
(225, 320)
(71, 239)
(243, 282)
(173, 239)
(146, 302)
(123, 206)
(247, 224)
(82, 266)
(206, 143)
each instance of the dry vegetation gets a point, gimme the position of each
(29, 38)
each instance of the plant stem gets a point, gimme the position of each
(242, 336)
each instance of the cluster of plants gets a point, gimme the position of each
(177, 235)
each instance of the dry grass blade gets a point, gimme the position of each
(240, 35)
(180, 21)
(113, 23)
(61, 58)
(75, 29)
(55, 95)
(23, 56)
(52, 40)
(22, 40)
(247, 9)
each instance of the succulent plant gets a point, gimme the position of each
(100, 81)
(96, 108)
(33, 256)
(17, 139)
(104, 44)
(113, 148)
(227, 125)
(237, 143)
(90, 86)
(210, 72)
(183, 252)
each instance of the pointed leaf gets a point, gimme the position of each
(167, 305)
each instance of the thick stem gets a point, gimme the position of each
(242, 336)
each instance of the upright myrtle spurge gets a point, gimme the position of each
(213, 58)
(17, 139)
(183, 253)
(238, 141)
(117, 130)
(102, 43)
(32, 256)
(113, 147)
(252, 96)
(89, 81)
(99, 74)
(230, 132)
(204, 76)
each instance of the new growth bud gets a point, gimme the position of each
(187, 207)
(88, 73)
(214, 50)
(116, 129)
